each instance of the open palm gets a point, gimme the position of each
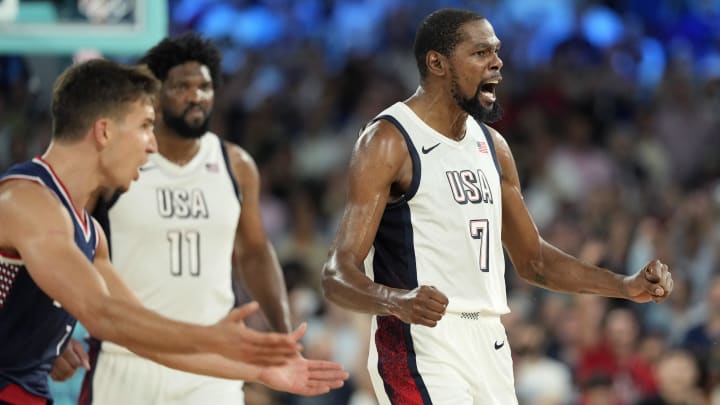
(304, 377)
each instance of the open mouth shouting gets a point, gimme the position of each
(486, 91)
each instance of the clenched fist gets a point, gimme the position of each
(423, 305)
(653, 283)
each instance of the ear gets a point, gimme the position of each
(436, 63)
(100, 132)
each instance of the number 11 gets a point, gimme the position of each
(191, 241)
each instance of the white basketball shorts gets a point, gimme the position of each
(125, 378)
(464, 360)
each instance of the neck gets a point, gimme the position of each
(81, 177)
(437, 109)
(174, 147)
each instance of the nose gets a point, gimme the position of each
(151, 144)
(496, 63)
(200, 95)
(193, 95)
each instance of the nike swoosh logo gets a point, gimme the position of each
(498, 346)
(146, 168)
(427, 150)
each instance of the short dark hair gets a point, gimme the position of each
(95, 89)
(440, 32)
(187, 47)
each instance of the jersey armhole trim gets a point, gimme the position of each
(414, 157)
(228, 166)
(490, 141)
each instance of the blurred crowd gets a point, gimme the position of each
(620, 164)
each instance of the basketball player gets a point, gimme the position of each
(434, 196)
(191, 218)
(54, 263)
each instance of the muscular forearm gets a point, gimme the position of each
(347, 286)
(101, 302)
(210, 364)
(558, 271)
(131, 325)
(264, 280)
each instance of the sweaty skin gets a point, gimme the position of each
(381, 171)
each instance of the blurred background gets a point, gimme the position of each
(612, 111)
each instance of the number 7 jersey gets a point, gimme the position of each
(172, 234)
(446, 230)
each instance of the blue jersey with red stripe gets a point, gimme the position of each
(34, 329)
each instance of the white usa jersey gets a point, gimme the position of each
(172, 234)
(445, 231)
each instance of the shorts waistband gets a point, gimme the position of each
(473, 315)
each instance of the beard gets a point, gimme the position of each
(180, 125)
(472, 105)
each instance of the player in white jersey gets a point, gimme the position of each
(175, 254)
(54, 259)
(177, 235)
(434, 196)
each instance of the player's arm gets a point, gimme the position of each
(119, 290)
(298, 375)
(544, 265)
(38, 227)
(254, 259)
(380, 162)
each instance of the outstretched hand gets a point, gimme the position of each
(239, 342)
(304, 377)
(653, 283)
(72, 358)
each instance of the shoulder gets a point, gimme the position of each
(383, 135)
(505, 158)
(27, 207)
(502, 148)
(17, 193)
(242, 164)
(499, 140)
(380, 155)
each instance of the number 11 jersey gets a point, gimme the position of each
(172, 234)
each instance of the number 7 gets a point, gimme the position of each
(479, 230)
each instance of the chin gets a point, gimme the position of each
(123, 186)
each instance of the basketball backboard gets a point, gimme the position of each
(119, 27)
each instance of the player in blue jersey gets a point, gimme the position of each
(434, 197)
(54, 262)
